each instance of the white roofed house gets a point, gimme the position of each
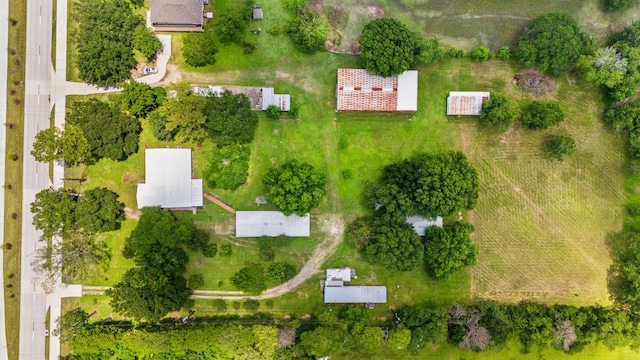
(466, 102)
(336, 292)
(168, 180)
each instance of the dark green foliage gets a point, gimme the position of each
(226, 250)
(104, 40)
(251, 305)
(359, 232)
(71, 323)
(146, 41)
(227, 167)
(428, 326)
(558, 146)
(68, 145)
(220, 305)
(456, 53)
(230, 119)
(139, 99)
(616, 67)
(322, 341)
(625, 117)
(552, 43)
(504, 53)
(481, 53)
(248, 47)
(98, 210)
(429, 185)
(265, 247)
(356, 316)
(183, 115)
(449, 250)
(629, 35)
(250, 278)
(429, 50)
(395, 246)
(308, 30)
(197, 242)
(498, 111)
(53, 211)
(110, 132)
(616, 5)
(158, 122)
(388, 47)
(367, 340)
(210, 250)
(196, 281)
(624, 282)
(199, 49)
(295, 187)
(281, 271)
(273, 112)
(542, 114)
(230, 26)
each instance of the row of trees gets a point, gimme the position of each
(478, 327)
(501, 112)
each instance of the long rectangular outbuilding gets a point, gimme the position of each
(355, 294)
(271, 223)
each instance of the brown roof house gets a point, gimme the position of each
(176, 15)
(358, 90)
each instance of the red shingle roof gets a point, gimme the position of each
(358, 90)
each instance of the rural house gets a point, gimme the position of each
(176, 15)
(168, 181)
(335, 292)
(271, 223)
(358, 90)
(466, 102)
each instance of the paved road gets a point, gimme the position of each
(4, 39)
(35, 175)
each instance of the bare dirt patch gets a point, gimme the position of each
(533, 81)
(130, 213)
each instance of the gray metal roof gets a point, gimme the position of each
(168, 181)
(271, 223)
(257, 14)
(176, 12)
(283, 101)
(420, 223)
(355, 294)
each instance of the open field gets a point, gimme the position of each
(466, 24)
(13, 174)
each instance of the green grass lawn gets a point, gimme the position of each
(13, 175)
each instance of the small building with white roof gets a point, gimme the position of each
(271, 223)
(168, 180)
(466, 102)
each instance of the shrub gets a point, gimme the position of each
(266, 249)
(498, 111)
(277, 29)
(281, 271)
(456, 53)
(248, 48)
(347, 174)
(308, 30)
(250, 278)
(210, 250)
(196, 281)
(220, 305)
(504, 53)
(542, 114)
(273, 112)
(251, 305)
(226, 250)
(557, 146)
(481, 53)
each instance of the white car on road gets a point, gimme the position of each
(149, 70)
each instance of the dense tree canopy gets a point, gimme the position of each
(139, 99)
(552, 43)
(397, 247)
(104, 40)
(308, 30)
(230, 26)
(250, 278)
(615, 5)
(98, 210)
(199, 49)
(449, 250)
(388, 47)
(295, 187)
(182, 116)
(498, 111)
(428, 184)
(68, 145)
(616, 67)
(146, 41)
(542, 114)
(228, 167)
(230, 119)
(110, 132)
(559, 146)
(158, 120)
(71, 323)
(629, 35)
(53, 211)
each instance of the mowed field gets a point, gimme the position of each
(466, 24)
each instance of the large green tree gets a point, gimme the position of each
(308, 30)
(71, 323)
(110, 132)
(68, 145)
(98, 210)
(104, 40)
(395, 246)
(53, 211)
(323, 341)
(542, 114)
(498, 111)
(552, 42)
(250, 278)
(182, 117)
(140, 99)
(449, 250)
(199, 49)
(388, 47)
(146, 41)
(295, 187)
(230, 119)
(228, 167)
(230, 26)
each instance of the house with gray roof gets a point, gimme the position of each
(271, 223)
(176, 15)
(269, 97)
(336, 292)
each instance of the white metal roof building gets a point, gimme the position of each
(466, 102)
(421, 223)
(355, 294)
(283, 101)
(271, 223)
(344, 274)
(168, 182)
